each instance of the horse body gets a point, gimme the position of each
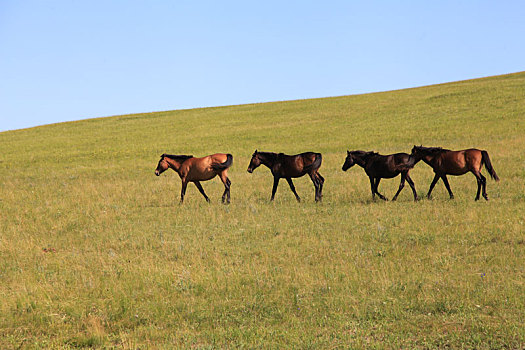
(446, 162)
(290, 166)
(293, 166)
(456, 162)
(201, 169)
(379, 167)
(386, 166)
(191, 169)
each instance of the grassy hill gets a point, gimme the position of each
(96, 251)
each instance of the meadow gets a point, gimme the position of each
(95, 250)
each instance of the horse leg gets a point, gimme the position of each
(372, 187)
(436, 178)
(201, 190)
(376, 184)
(292, 187)
(275, 184)
(478, 180)
(183, 190)
(445, 180)
(412, 186)
(315, 181)
(227, 183)
(401, 185)
(321, 182)
(229, 186)
(484, 184)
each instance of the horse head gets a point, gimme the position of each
(162, 166)
(349, 161)
(417, 150)
(254, 162)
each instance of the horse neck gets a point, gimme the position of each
(268, 159)
(427, 158)
(433, 153)
(361, 160)
(174, 164)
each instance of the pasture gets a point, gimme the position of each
(95, 250)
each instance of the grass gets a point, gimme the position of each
(95, 250)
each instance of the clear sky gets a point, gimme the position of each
(71, 59)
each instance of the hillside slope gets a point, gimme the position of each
(96, 251)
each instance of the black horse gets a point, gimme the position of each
(285, 166)
(379, 167)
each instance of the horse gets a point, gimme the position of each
(194, 170)
(379, 167)
(291, 166)
(446, 162)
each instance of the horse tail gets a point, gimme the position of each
(488, 165)
(225, 165)
(409, 164)
(316, 164)
(404, 167)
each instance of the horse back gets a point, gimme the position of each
(400, 159)
(459, 162)
(311, 160)
(218, 158)
(201, 169)
(296, 165)
(388, 166)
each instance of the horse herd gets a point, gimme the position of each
(443, 161)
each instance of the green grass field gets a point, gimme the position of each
(95, 250)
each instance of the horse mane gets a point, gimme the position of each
(181, 157)
(433, 150)
(269, 155)
(364, 154)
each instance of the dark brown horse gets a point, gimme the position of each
(379, 167)
(288, 167)
(194, 170)
(446, 162)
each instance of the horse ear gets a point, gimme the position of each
(347, 152)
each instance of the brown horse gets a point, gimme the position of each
(288, 167)
(446, 162)
(379, 167)
(194, 170)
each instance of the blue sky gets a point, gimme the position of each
(69, 60)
